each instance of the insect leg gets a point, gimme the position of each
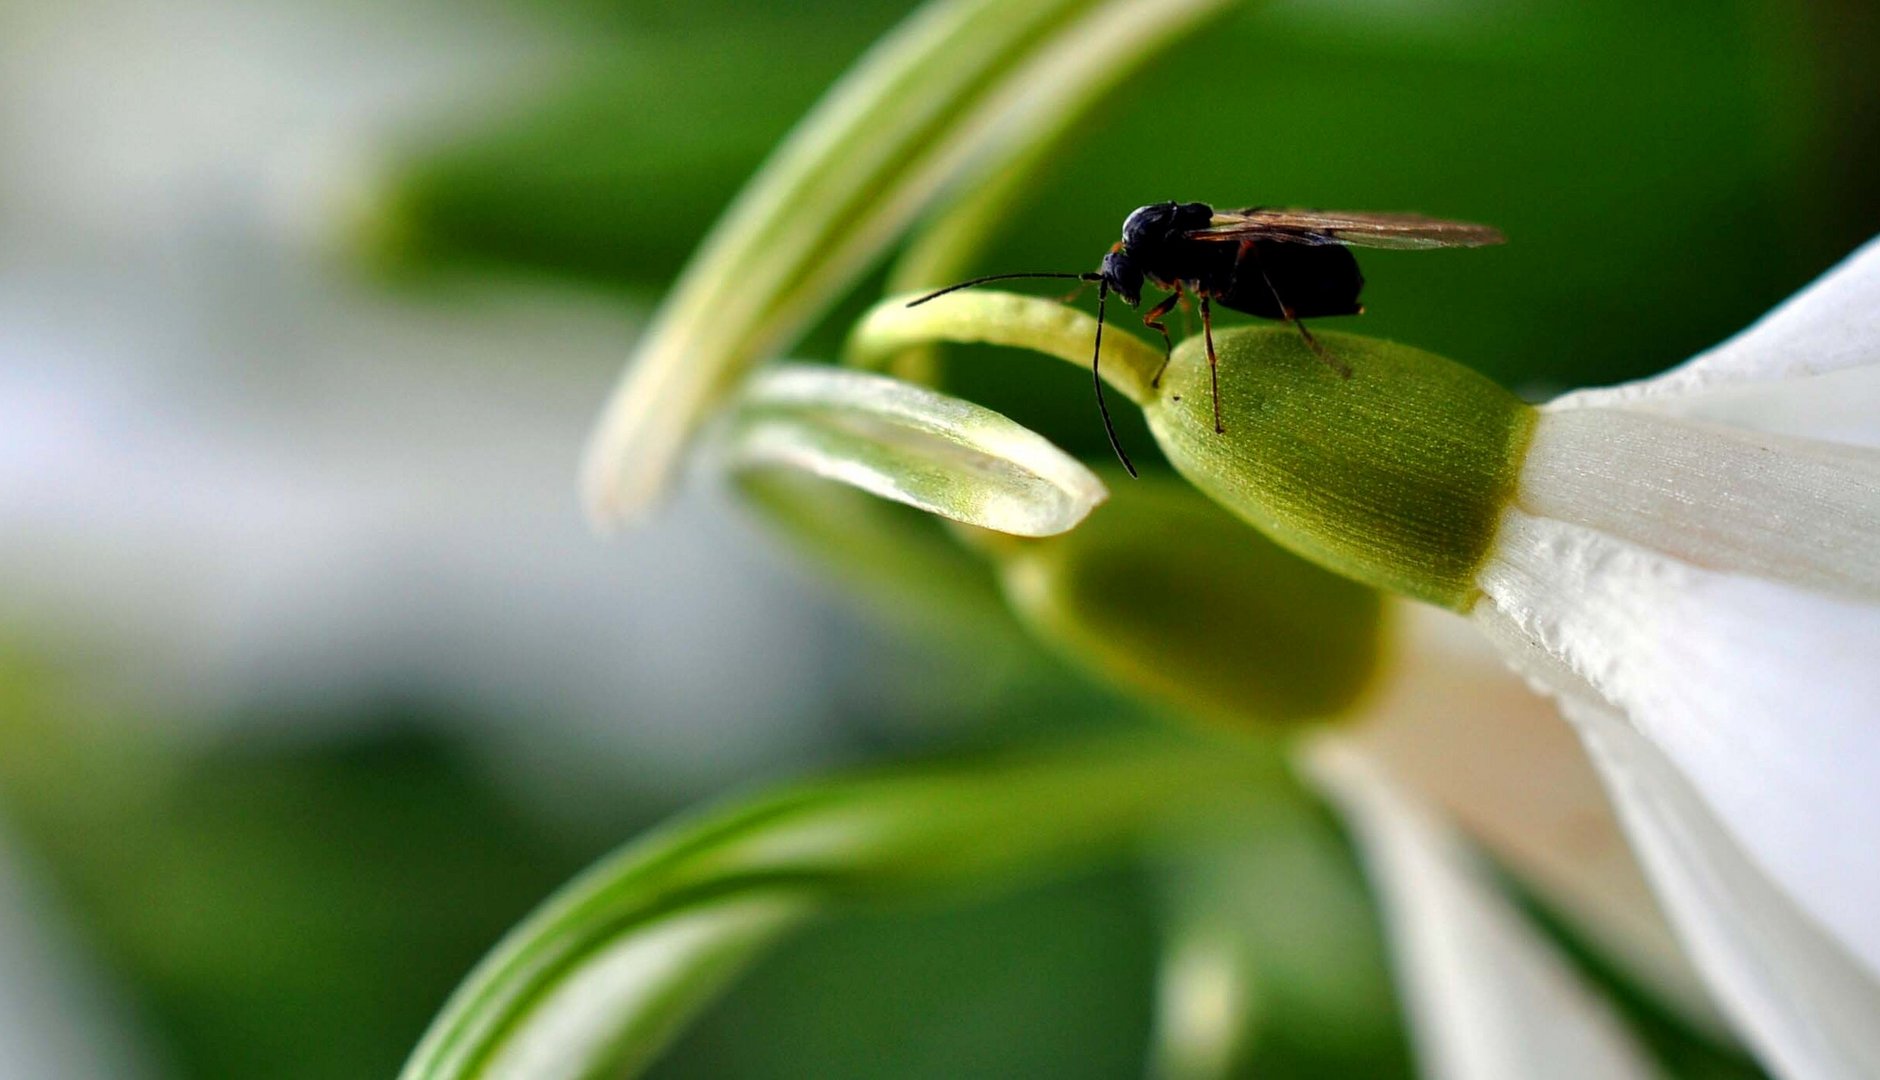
(1333, 362)
(1249, 254)
(1214, 364)
(1153, 320)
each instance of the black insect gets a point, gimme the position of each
(1277, 264)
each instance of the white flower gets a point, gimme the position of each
(1692, 567)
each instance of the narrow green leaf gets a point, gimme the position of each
(597, 979)
(913, 445)
(961, 83)
(1108, 50)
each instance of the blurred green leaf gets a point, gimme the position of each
(1051, 980)
(1275, 964)
(1170, 596)
(987, 200)
(899, 555)
(599, 977)
(910, 444)
(291, 910)
(616, 172)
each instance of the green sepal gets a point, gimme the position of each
(1396, 476)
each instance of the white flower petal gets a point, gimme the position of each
(1469, 737)
(1804, 1002)
(1488, 997)
(1839, 407)
(1829, 331)
(1765, 696)
(1790, 509)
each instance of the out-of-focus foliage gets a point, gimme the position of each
(599, 977)
(276, 910)
(1663, 173)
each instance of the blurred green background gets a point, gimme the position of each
(282, 874)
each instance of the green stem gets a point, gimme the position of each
(1001, 318)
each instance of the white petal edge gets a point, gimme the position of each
(1811, 367)
(1765, 696)
(1488, 997)
(1772, 506)
(1472, 739)
(913, 445)
(1806, 1005)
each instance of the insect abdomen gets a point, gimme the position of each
(1314, 280)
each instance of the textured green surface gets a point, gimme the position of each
(1167, 594)
(1396, 476)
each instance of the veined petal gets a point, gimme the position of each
(1802, 1000)
(913, 445)
(1811, 367)
(1763, 695)
(1771, 506)
(1489, 998)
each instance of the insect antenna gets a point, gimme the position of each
(1096, 355)
(1087, 276)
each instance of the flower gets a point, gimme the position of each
(1691, 566)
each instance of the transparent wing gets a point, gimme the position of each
(1352, 228)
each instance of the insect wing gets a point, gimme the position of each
(1352, 228)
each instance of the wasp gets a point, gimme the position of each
(1288, 265)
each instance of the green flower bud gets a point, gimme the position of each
(1396, 476)
(1165, 593)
